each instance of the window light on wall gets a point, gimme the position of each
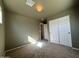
(0, 15)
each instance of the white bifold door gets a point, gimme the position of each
(60, 32)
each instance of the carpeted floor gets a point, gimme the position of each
(48, 50)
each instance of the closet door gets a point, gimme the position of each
(46, 32)
(64, 31)
(53, 28)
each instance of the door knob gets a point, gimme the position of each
(69, 32)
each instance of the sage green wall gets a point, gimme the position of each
(2, 36)
(1, 40)
(74, 23)
(75, 27)
(18, 28)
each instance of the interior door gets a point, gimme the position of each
(46, 32)
(53, 29)
(64, 31)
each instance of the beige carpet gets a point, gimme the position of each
(48, 50)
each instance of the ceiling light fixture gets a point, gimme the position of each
(39, 7)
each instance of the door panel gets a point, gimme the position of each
(64, 31)
(54, 31)
(46, 32)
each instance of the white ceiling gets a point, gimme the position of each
(51, 7)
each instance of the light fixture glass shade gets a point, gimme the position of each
(39, 7)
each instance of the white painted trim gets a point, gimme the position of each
(15, 48)
(75, 48)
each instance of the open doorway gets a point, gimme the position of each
(44, 30)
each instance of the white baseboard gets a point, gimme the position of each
(75, 48)
(15, 48)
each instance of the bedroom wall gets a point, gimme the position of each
(2, 35)
(18, 28)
